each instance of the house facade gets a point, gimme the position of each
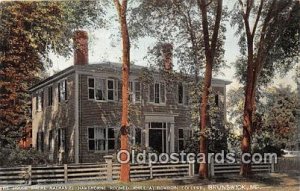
(76, 112)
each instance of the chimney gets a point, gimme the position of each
(80, 39)
(167, 54)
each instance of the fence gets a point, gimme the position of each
(234, 168)
(98, 172)
(109, 171)
(288, 164)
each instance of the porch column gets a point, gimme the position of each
(172, 140)
(146, 134)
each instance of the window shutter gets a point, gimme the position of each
(162, 93)
(119, 90)
(66, 90)
(151, 92)
(59, 137)
(37, 102)
(38, 141)
(58, 88)
(65, 139)
(186, 95)
(137, 92)
(42, 141)
(42, 100)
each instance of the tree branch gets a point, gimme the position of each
(257, 17)
(118, 7)
(216, 27)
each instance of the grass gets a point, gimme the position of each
(268, 182)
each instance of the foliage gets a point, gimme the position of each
(278, 118)
(28, 32)
(178, 23)
(276, 38)
(275, 120)
(15, 156)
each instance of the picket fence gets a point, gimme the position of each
(84, 172)
(109, 171)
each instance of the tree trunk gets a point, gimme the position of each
(203, 168)
(248, 109)
(125, 167)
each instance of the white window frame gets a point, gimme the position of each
(106, 89)
(160, 94)
(106, 139)
(132, 91)
(185, 101)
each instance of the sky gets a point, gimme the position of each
(104, 47)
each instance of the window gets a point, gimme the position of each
(100, 89)
(182, 94)
(135, 91)
(157, 93)
(101, 139)
(50, 94)
(110, 90)
(62, 91)
(96, 89)
(180, 140)
(138, 136)
(217, 100)
(40, 101)
(61, 139)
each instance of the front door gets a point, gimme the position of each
(159, 137)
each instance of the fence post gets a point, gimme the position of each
(66, 173)
(108, 160)
(151, 170)
(191, 169)
(212, 167)
(29, 171)
(272, 166)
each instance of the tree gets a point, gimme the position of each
(122, 10)
(278, 118)
(270, 44)
(210, 45)
(29, 31)
(275, 118)
(187, 25)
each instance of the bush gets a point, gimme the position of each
(14, 156)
